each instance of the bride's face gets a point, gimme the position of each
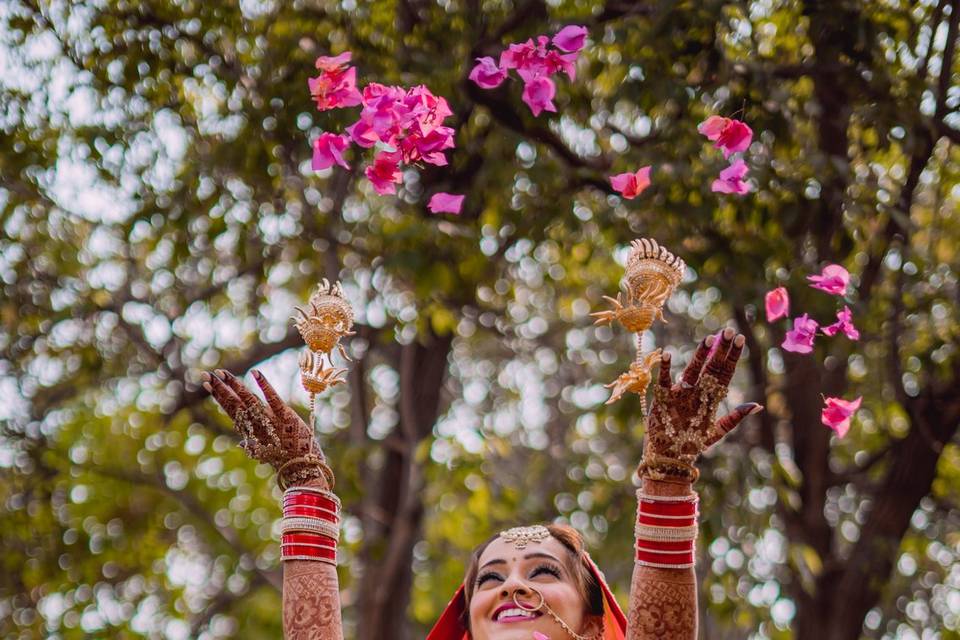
(505, 570)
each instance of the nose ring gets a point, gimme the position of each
(521, 606)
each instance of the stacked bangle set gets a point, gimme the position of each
(666, 530)
(310, 525)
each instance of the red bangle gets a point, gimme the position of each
(310, 499)
(311, 512)
(309, 538)
(664, 522)
(669, 559)
(668, 508)
(664, 545)
(295, 552)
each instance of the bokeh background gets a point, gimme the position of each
(160, 217)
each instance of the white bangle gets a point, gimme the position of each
(313, 525)
(657, 515)
(665, 534)
(692, 497)
(660, 565)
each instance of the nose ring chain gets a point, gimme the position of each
(543, 605)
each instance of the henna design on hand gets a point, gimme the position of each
(311, 601)
(663, 604)
(273, 432)
(682, 422)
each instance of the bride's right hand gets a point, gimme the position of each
(273, 432)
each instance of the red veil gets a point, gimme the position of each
(450, 627)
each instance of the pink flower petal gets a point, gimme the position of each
(712, 127)
(833, 280)
(538, 94)
(570, 38)
(445, 203)
(838, 412)
(630, 185)
(844, 323)
(328, 150)
(734, 137)
(327, 63)
(486, 74)
(731, 179)
(800, 338)
(384, 174)
(777, 303)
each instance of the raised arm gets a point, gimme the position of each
(274, 433)
(681, 425)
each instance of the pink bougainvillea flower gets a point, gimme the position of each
(844, 323)
(833, 279)
(734, 137)
(838, 412)
(518, 55)
(332, 63)
(538, 94)
(565, 62)
(486, 74)
(727, 134)
(777, 303)
(571, 38)
(384, 173)
(335, 89)
(328, 150)
(445, 203)
(731, 179)
(630, 185)
(800, 338)
(712, 127)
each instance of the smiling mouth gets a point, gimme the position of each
(515, 614)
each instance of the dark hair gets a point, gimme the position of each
(572, 541)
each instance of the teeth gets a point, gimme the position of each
(506, 613)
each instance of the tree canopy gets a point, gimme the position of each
(161, 218)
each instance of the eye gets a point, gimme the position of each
(546, 568)
(490, 575)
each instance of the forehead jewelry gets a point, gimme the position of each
(522, 536)
(652, 275)
(327, 318)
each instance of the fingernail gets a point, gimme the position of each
(727, 333)
(206, 385)
(708, 341)
(665, 357)
(757, 408)
(257, 374)
(739, 341)
(221, 373)
(205, 376)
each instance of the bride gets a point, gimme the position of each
(526, 582)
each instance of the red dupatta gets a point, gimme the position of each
(450, 625)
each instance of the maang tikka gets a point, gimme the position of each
(651, 276)
(327, 319)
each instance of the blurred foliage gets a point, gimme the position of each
(160, 218)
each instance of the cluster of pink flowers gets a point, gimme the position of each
(534, 62)
(406, 123)
(730, 136)
(834, 279)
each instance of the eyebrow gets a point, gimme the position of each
(538, 554)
